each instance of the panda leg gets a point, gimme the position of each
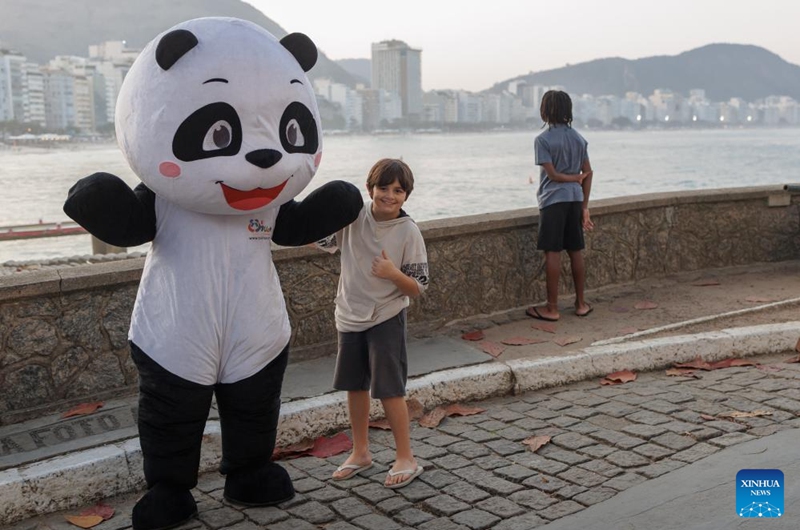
(172, 414)
(249, 411)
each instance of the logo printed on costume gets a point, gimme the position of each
(759, 493)
(259, 229)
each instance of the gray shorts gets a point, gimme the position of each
(374, 359)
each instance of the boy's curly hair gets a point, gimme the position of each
(386, 170)
(556, 108)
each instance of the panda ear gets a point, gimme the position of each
(173, 46)
(303, 49)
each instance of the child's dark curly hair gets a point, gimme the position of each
(556, 108)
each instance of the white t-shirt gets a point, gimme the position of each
(210, 307)
(363, 300)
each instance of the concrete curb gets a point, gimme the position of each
(83, 477)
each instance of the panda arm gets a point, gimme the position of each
(326, 210)
(111, 211)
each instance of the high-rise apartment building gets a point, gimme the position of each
(396, 67)
(12, 77)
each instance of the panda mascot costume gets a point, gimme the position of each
(219, 121)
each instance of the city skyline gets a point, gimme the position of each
(513, 31)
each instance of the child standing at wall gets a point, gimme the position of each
(383, 263)
(565, 181)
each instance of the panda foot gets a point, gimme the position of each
(266, 485)
(163, 507)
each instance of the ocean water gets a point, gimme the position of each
(455, 174)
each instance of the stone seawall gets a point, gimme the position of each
(63, 332)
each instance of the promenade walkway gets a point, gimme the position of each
(654, 453)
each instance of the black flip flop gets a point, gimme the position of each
(534, 312)
(586, 313)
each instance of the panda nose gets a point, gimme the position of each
(263, 158)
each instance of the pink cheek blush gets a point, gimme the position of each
(317, 159)
(170, 169)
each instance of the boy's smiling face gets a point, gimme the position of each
(387, 200)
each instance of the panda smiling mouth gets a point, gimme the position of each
(252, 199)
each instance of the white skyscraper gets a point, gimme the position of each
(397, 68)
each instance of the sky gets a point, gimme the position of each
(471, 45)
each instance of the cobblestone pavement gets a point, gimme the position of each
(479, 475)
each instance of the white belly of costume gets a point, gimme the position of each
(210, 307)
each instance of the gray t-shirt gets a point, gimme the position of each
(563, 147)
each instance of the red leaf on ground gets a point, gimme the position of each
(84, 521)
(565, 341)
(415, 409)
(380, 424)
(82, 409)
(492, 348)
(697, 364)
(729, 363)
(682, 372)
(433, 418)
(645, 304)
(103, 510)
(536, 442)
(769, 368)
(623, 376)
(759, 299)
(297, 450)
(456, 409)
(521, 341)
(473, 335)
(708, 417)
(705, 283)
(325, 447)
(628, 331)
(795, 359)
(547, 327)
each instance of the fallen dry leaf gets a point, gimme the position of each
(84, 521)
(705, 283)
(297, 450)
(566, 341)
(708, 417)
(769, 368)
(521, 341)
(82, 409)
(628, 331)
(325, 447)
(682, 372)
(795, 359)
(547, 327)
(645, 304)
(473, 335)
(729, 363)
(103, 510)
(492, 348)
(740, 414)
(696, 364)
(415, 409)
(759, 299)
(536, 442)
(433, 418)
(457, 409)
(617, 378)
(380, 424)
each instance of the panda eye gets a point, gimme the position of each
(294, 135)
(218, 136)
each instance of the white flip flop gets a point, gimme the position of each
(356, 470)
(413, 473)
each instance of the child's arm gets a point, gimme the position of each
(555, 176)
(382, 267)
(586, 184)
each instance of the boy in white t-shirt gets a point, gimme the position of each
(384, 263)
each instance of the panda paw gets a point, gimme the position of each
(266, 485)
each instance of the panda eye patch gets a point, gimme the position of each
(210, 131)
(294, 135)
(298, 130)
(219, 136)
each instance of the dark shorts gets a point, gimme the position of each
(560, 227)
(374, 359)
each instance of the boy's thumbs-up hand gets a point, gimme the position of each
(382, 266)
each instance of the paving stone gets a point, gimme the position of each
(505, 415)
(563, 421)
(341, 525)
(625, 481)
(327, 494)
(417, 491)
(420, 433)
(695, 453)
(307, 463)
(787, 404)
(394, 505)
(566, 457)
(442, 523)
(373, 521)
(571, 440)
(245, 525)
(313, 512)
(594, 496)
(514, 433)
(727, 440)
(520, 522)
(617, 439)
(490, 462)
(616, 409)
(533, 499)
(542, 413)
(689, 416)
(609, 422)
(767, 430)
(514, 472)
(221, 517)
(560, 510)
(413, 517)
(492, 425)
(373, 492)
(680, 427)
(442, 440)
(451, 461)
(468, 449)
(582, 477)
(677, 397)
(553, 403)
(704, 433)
(480, 435)
(631, 399)
(520, 406)
(598, 451)
(475, 519)
(539, 463)
(445, 505)
(725, 387)
(579, 412)
(649, 418)
(267, 515)
(487, 481)
(293, 524)
(545, 483)
(506, 447)
(428, 452)
(212, 482)
(653, 451)
(773, 385)
(455, 429)
(627, 459)
(644, 431)
(438, 478)
(601, 467)
(660, 468)
(674, 441)
(307, 484)
(323, 472)
(350, 508)
(466, 492)
(500, 507)
(531, 424)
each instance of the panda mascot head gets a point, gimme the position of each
(218, 116)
